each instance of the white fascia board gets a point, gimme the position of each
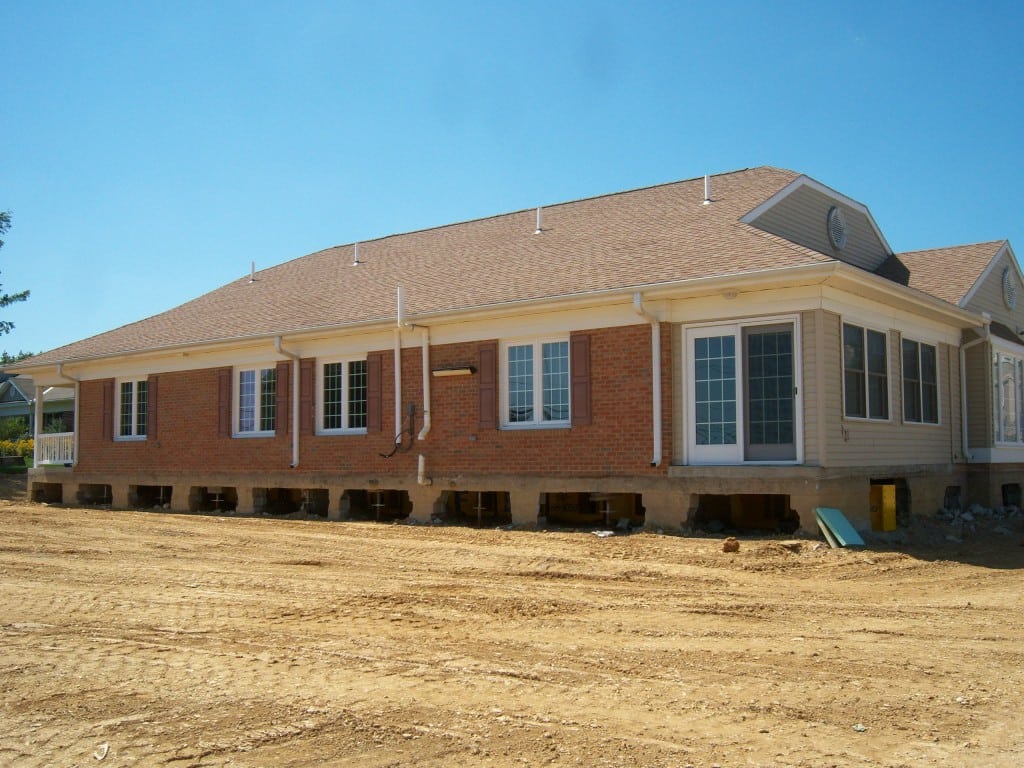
(28, 397)
(869, 285)
(239, 350)
(1000, 344)
(314, 341)
(871, 313)
(992, 266)
(839, 197)
(999, 454)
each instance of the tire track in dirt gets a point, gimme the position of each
(181, 640)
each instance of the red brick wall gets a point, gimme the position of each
(617, 442)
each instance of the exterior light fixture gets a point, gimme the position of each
(461, 370)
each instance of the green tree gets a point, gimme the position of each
(6, 299)
(6, 358)
(13, 428)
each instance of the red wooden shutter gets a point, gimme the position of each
(282, 401)
(488, 385)
(374, 396)
(307, 370)
(108, 409)
(151, 387)
(579, 376)
(224, 402)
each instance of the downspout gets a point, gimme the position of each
(39, 414)
(426, 384)
(638, 307)
(398, 369)
(421, 464)
(295, 398)
(421, 477)
(986, 334)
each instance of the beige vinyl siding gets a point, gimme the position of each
(810, 387)
(989, 296)
(678, 364)
(832, 370)
(801, 218)
(950, 398)
(979, 396)
(859, 442)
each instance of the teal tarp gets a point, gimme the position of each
(833, 521)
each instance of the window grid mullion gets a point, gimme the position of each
(344, 394)
(342, 402)
(526, 374)
(1020, 392)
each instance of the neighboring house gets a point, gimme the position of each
(18, 401)
(741, 348)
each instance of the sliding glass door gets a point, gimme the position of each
(742, 389)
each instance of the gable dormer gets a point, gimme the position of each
(812, 215)
(999, 290)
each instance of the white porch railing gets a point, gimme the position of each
(55, 448)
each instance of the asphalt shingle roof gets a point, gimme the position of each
(946, 273)
(636, 238)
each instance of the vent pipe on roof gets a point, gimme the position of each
(707, 190)
(540, 227)
(355, 255)
(252, 271)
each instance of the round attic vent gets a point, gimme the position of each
(836, 225)
(1009, 288)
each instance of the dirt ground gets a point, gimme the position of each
(147, 638)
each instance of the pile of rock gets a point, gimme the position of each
(969, 520)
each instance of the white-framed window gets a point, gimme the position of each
(536, 383)
(920, 382)
(341, 401)
(865, 373)
(255, 401)
(131, 412)
(1008, 396)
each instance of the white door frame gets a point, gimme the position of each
(728, 455)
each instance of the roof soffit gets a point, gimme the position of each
(859, 282)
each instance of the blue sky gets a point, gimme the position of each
(150, 151)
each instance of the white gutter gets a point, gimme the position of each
(295, 398)
(817, 272)
(39, 415)
(638, 307)
(986, 334)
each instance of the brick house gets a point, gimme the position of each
(740, 348)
